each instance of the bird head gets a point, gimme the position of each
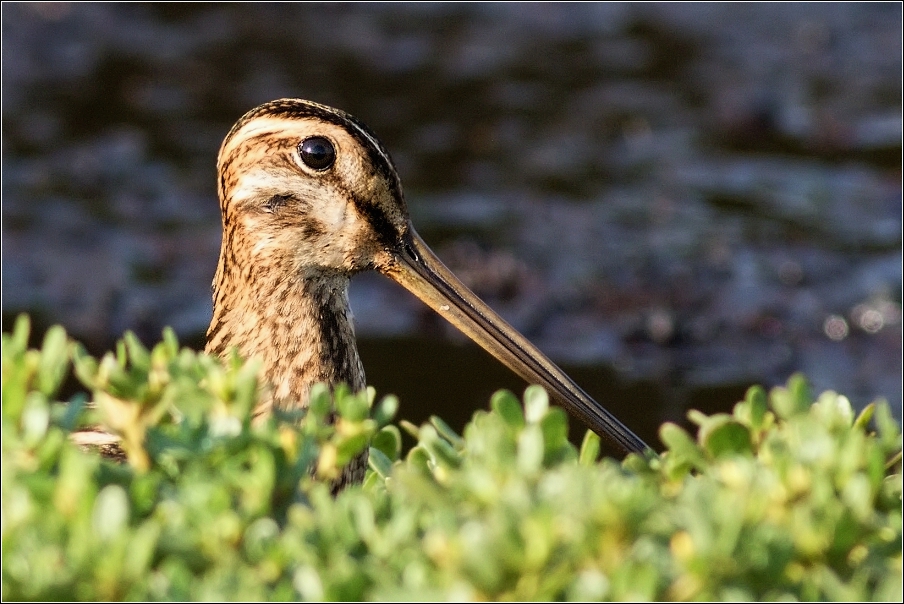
(311, 185)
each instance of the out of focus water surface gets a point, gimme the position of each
(673, 201)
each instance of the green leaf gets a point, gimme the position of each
(757, 406)
(800, 388)
(727, 438)
(21, 329)
(350, 447)
(138, 355)
(554, 426)
(888, 429)
(170, 342)
(441, 451)
(683, 451)
(307, 581)
(17, 369)
(389, 441)
(386, 410)
(530, 449)
(379, 463)
(590, 448)
(35, 418)
(351, 406)
(54, 361)
(111, 512)
(676, 439)
(246, 388)
(412, 430)
(536, 403)
(419, 460)
(86, 366)
(792, 400)
(320, 402)
(865, 416)
(140, 552)
(446, 432)
(509, 408)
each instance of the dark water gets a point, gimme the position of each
(673, 201)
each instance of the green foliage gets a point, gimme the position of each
(784, 498)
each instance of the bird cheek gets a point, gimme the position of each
(358, 247)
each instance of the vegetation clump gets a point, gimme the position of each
(785, 498)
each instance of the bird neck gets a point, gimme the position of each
(296, 322)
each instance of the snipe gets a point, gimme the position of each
(309, 197)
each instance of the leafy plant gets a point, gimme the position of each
(784, 498)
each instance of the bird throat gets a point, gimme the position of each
(299, 326)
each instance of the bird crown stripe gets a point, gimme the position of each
(302, 108)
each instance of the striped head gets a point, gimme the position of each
(309, 187)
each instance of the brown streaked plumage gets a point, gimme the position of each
(309, 197)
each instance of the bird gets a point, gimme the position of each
(309, 197)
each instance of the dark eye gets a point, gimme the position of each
(317, 152)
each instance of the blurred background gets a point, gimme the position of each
(673, 201)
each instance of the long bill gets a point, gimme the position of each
(417, 269)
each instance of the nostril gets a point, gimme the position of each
(410, 251)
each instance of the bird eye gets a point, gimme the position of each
(317, 152)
